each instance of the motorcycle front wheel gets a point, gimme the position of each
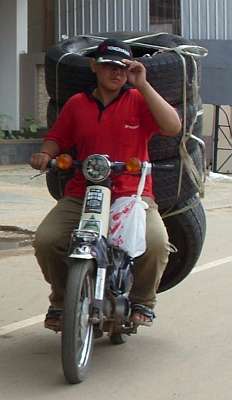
(77, 332)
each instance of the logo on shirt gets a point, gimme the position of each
(130, 126)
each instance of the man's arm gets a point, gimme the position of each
(165, 115)
(48, 150)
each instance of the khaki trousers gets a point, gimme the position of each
(52, 241)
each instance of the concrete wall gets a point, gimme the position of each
(13, 33)
(36, 26)
(33, 95)
(18, 151)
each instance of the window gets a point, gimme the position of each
(165, 16)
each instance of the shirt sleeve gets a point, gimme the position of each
(147, 119)
(62, 130)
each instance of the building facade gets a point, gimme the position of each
(206, 19)
(29, 27)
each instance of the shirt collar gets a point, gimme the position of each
(89, 94)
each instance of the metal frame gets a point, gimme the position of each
(219, 128)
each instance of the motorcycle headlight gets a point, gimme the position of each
(96, 168)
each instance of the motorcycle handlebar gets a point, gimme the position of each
(118, 166)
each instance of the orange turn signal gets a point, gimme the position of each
(64, 161)
(133, 165)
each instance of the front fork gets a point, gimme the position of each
(88, 240)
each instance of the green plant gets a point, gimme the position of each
(31, 127)
(5, 131)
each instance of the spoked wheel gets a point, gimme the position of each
(77, 334)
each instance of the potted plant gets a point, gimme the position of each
(16, 147)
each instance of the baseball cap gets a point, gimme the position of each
(113, 51)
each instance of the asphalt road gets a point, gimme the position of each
(185, 355)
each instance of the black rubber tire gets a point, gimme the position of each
(69, 76)
(68, 72)
(79, 283)
(187, 232)
(168, 40)
(53, 110)
(165, 74)
(165, 182)
(165, 147)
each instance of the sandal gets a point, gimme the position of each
(142, 310)
(53, 319)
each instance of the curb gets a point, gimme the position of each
(14, 238)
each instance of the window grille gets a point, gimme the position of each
(165, 16)
(74, 17)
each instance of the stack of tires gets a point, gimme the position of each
(67, 71)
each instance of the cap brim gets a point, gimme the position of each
(108, 60)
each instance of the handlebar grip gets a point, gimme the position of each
(51, 163)
(54, 163)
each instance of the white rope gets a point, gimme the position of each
(186, 160)
(145, 168)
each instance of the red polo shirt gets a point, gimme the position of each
(121, 130)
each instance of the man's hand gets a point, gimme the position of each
(40, 161)
(48, 151)
(136, 73)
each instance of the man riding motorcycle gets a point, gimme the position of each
(116, 120)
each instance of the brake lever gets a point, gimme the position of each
(36, 175)
(51, 164)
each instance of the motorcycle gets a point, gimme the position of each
(100, 275)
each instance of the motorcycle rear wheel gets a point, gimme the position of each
(77, 333)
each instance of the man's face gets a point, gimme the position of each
(110, 76)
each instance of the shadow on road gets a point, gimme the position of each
(30, 363)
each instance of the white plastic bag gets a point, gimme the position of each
(128, 225)
(128, 221)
